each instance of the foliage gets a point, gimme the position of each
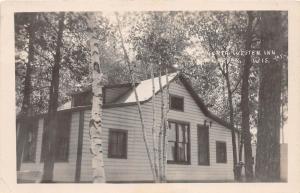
(187, 40)
(201, 45)
(74, 73)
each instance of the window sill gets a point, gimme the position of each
(112, 157)
(203, 164)
(177, 110)
(28, 162)
(59, 162)
(178, 163)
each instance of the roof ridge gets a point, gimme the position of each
(202, 105)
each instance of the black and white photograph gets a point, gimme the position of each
(151, 96)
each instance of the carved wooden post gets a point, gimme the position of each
(97, 103)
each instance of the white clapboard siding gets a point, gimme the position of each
(193, 115)
(136, 166)
(63, 171)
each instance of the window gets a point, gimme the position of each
(221, 152)
(82, 99)
(176, 103)
(30, 141)
(178, 143)
(117, 147)
(203, 145)
(61, 140)
(63, 137)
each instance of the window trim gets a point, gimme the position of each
(217, 161)
(188, 162)
(109, 153)
(208, 149)
(177, 96)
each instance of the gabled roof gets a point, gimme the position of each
(109, 86)
(144, 92)
(144, 89)
(201, 104)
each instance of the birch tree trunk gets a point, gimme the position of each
(161, 129)
(95, 126)
(132, 77)
(154, 137)
(25, 110)
(165, 130)
(51, 119)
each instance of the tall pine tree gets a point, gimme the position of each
(51, 119)
(268, 138)
(26, 104)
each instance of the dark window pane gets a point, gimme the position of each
(186, 133)
(114, 138)
(117, 147)
(171, 151)
(182, 133)
(182, 152)
(176, 103)
(221, 152)
(82, 99)
(172, 132)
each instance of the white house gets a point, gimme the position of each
(199, 143)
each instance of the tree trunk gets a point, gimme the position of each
(154, 137)
(25, 110)
(246, 135)
(161, 128)
(241, 148)
(267, 166)
(231, 119)
(95, 125)
(165, 130)
(132, 77)
(51, 119)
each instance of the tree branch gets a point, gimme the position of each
(44, 57)
(236, 86)
(50, 24)
(216, 57)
